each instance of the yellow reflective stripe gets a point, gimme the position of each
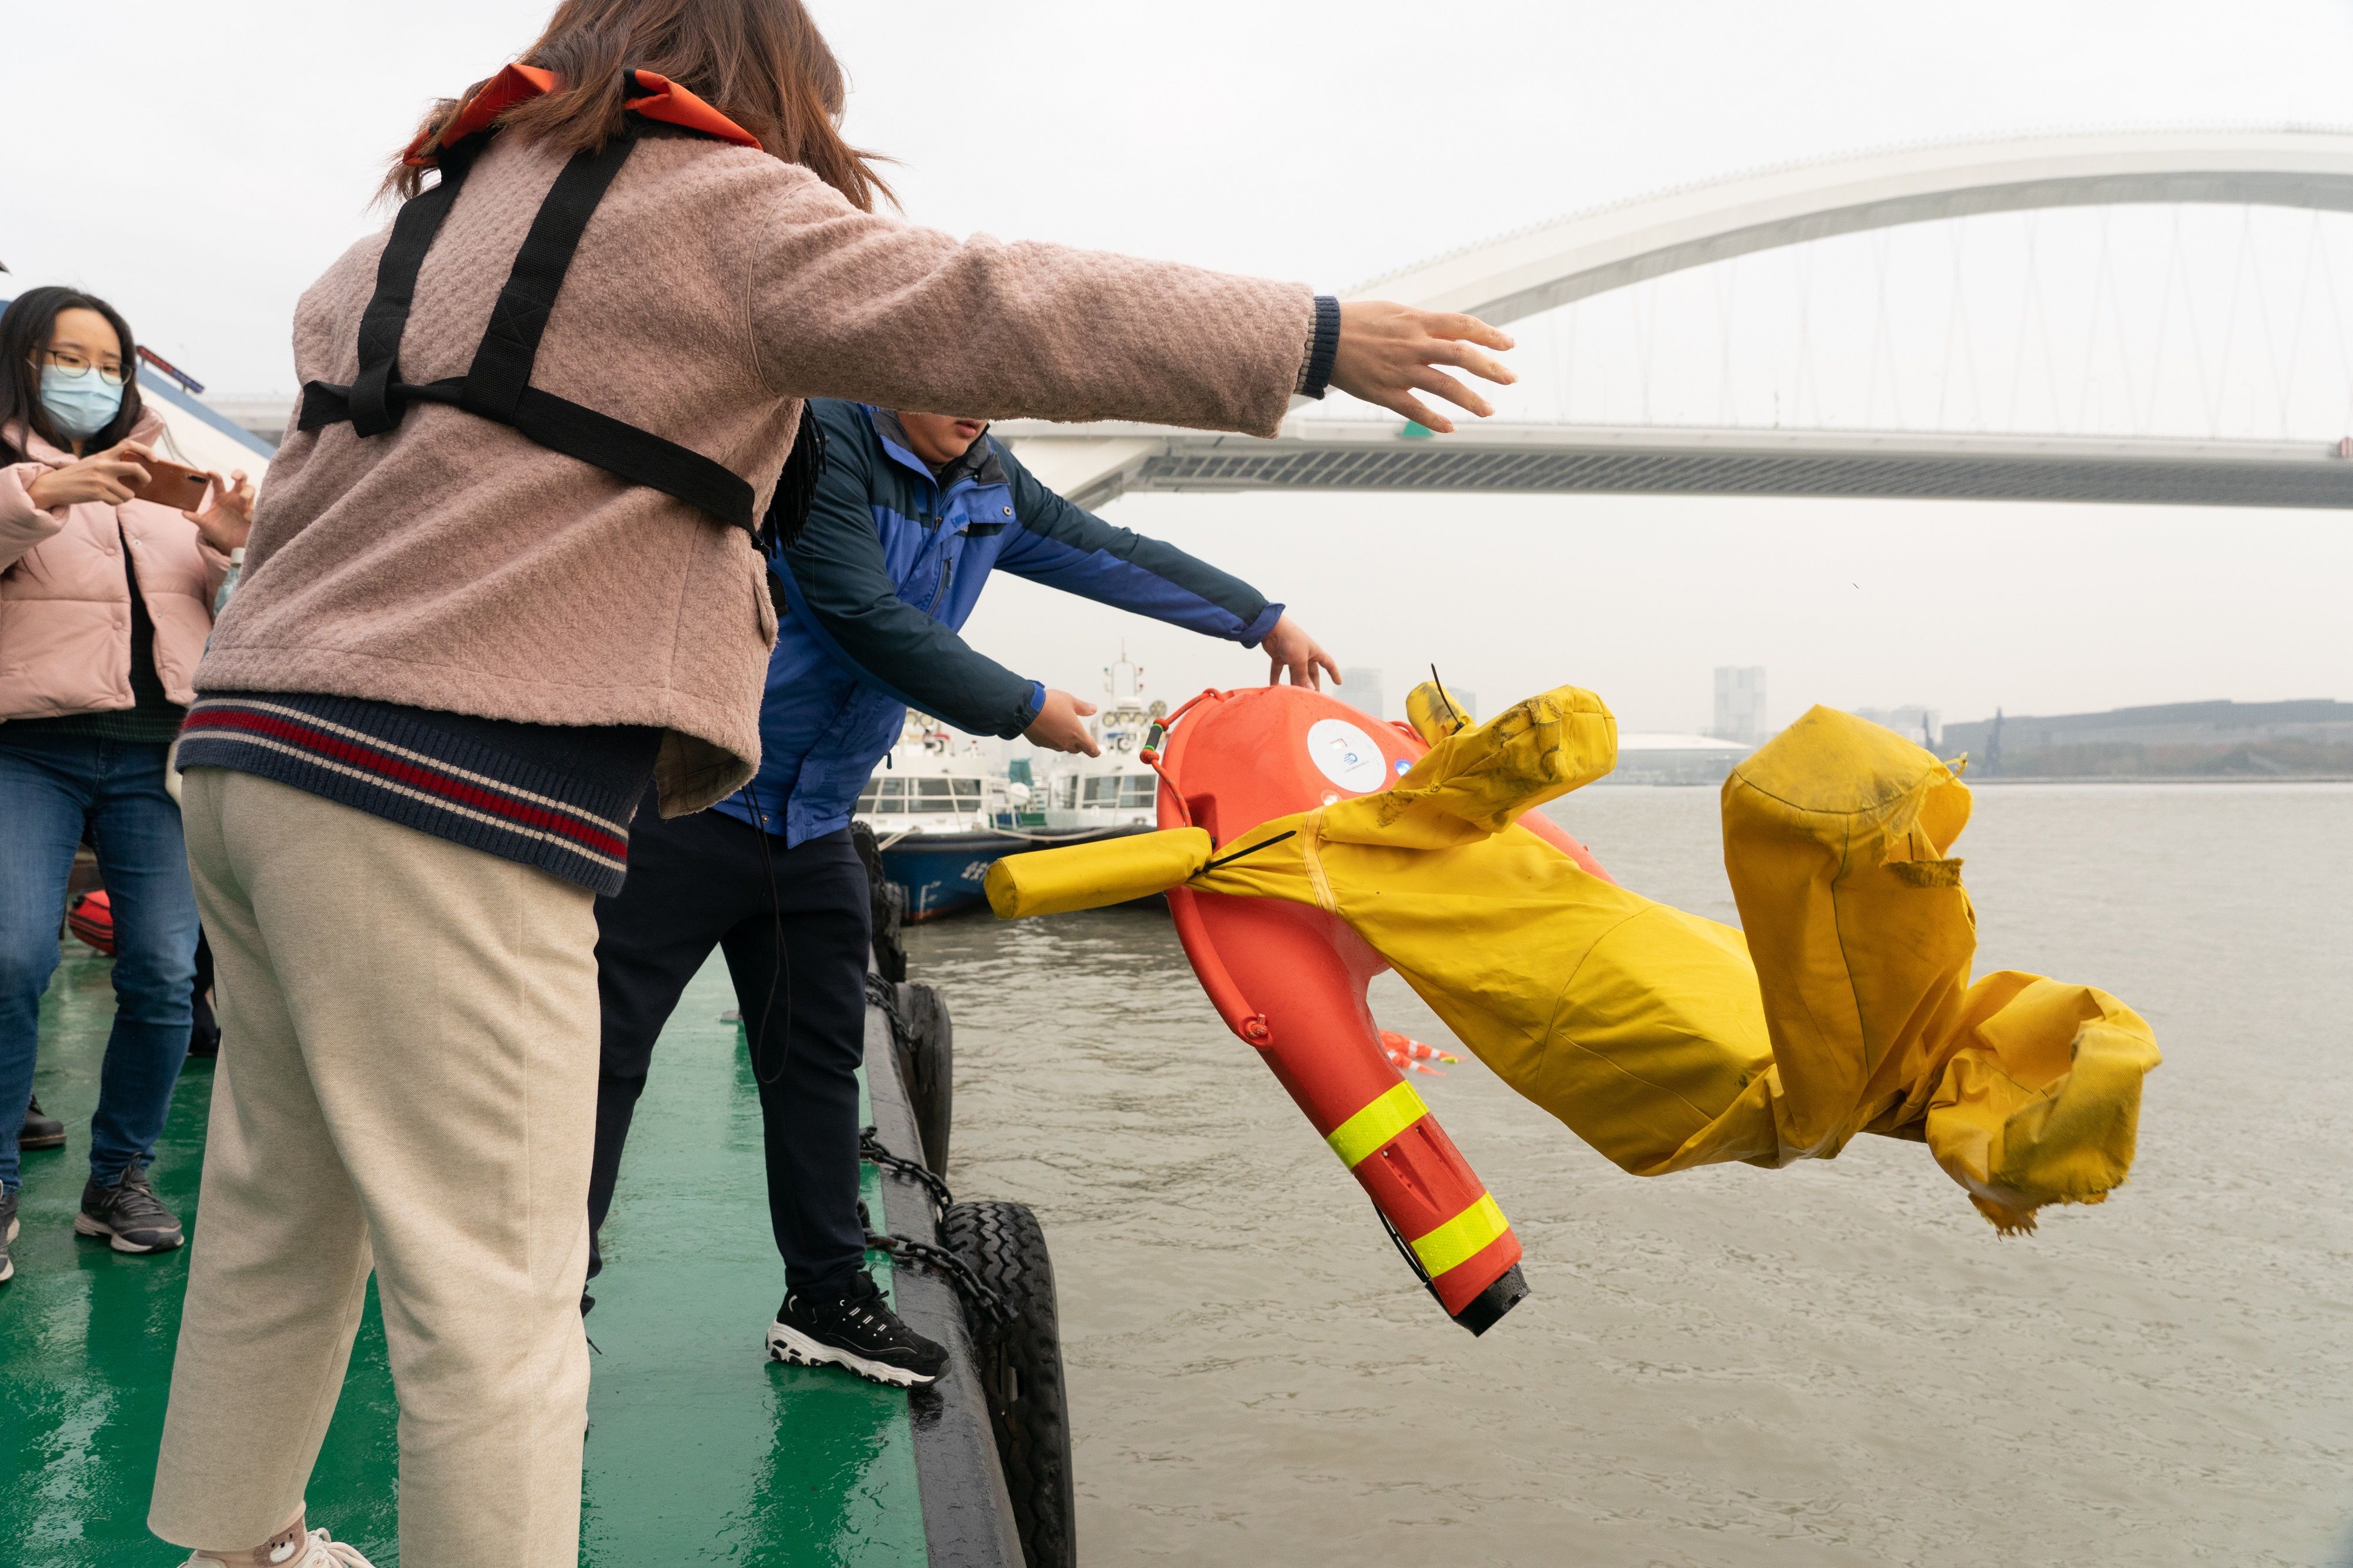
(1460, 1238)
(1358, 1137)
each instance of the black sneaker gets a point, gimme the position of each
(7, 1234)
(127, 1214)
(40, 1132)
(853, 1329)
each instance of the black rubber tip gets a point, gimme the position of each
(1488, 1307)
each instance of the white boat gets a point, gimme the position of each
(928, 785)
(942, 815)
(1117, 789)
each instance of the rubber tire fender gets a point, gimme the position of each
(887, 905)
(924, 1038)
(1021, 1372)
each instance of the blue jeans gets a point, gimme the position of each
(50, 787)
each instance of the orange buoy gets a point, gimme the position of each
(1402, 1048)
(1290, 980)
(1409, 1055)
(91, 918)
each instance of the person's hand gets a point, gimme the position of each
(228, 515)
(1060, 725)
(110, 477)
(1387, 352)
(1289, 650)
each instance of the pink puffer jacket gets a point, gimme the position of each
(64, 605)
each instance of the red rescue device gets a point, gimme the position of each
(91, 918)
(1290, 980)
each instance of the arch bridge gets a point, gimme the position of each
(1572, 258)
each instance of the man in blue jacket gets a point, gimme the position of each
(913, 512)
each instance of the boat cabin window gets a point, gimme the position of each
(884, 795)
(1124, 791)
(966, 790)
(933, 796)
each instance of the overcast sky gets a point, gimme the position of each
(199, 164)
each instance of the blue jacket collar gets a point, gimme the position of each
(887, 431)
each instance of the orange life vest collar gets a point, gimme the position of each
(497, 385)
(665, 100)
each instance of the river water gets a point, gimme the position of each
(1837, 1363)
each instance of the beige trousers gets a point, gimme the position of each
(408, 1082)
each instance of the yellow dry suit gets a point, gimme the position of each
(1665, 1040)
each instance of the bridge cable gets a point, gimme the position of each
(2344, 361)
(1802, 260)
(2264, 320)
(1883, 335)
(2221, 391)
(2303, 302)
(2164, 324)
(1727, 411)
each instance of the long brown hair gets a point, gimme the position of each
(761, 63)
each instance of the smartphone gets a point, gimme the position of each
(175, 485)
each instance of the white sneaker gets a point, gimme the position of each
(293, 1549)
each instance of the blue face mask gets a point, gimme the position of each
(79, 404)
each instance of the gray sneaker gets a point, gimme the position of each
(7, 1234)
(128, 1215)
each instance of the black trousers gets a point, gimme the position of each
(699, 882)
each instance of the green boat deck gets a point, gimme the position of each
(699, 1449)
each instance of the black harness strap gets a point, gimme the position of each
(501, 373)
(640, 456)
(497, 385)
(372, 408)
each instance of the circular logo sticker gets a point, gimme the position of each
(1346, 755)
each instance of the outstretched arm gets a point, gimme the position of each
(1068, 548)
(1063, 547)
(844, 303)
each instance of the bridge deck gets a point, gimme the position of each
(1092, 464)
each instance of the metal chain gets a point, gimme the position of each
(978, 1293)
(870, 1150)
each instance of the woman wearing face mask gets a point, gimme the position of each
(105, 602)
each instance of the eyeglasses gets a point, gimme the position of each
(74, 364)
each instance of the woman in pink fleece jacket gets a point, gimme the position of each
(105, 602)
(504, 576)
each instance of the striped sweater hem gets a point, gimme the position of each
(398, 764)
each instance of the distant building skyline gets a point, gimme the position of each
(2175, 723)
(1364, 688)
(1913, 721)
(1740, 703)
